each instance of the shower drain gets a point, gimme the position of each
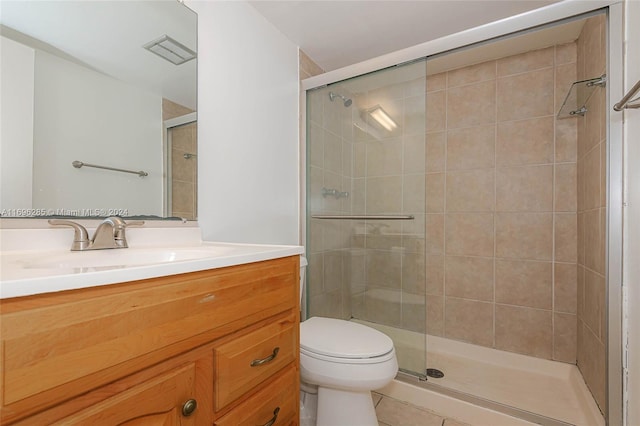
(435, 373)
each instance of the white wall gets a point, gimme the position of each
(632, 213)
(16, 138)
(248, 170)
(84, 115)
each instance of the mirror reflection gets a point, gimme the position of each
(110, 86)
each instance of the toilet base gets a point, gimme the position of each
(308, 405)
(345, 408)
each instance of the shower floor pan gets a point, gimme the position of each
(533, 389)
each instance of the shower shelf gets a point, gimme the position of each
(579, 94)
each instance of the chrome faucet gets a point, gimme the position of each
(110, 234)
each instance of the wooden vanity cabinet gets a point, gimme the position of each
(209, 347)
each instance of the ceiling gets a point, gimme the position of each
(333, 33)
(340, 33)
(108, 36)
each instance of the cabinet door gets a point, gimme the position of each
(155, 402)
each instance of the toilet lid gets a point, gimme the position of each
(343, 339)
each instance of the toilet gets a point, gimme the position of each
(341, 362)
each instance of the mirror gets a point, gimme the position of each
(93, 122)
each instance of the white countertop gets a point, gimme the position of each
(27, 272)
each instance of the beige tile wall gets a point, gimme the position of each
(501, 205)
(172, 110)
(329, 142)
(591, 181)
(184, 172)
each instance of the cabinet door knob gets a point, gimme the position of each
(257, 362)
(189, 407)
(274, 418)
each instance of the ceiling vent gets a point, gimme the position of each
(169, 49)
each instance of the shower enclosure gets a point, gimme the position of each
(457, 203)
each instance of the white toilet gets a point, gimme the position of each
(344, 361)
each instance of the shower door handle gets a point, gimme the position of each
(364, 217)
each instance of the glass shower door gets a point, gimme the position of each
(366, 209)
(182, 171)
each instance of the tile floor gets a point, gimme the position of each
(392, 412)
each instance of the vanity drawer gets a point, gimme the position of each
(279, 395)
(246, 361)
(58, 345)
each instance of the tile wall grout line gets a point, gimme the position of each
(553, 222)
(495, 202)
(443, 285)
(402, 211)
(365, 238)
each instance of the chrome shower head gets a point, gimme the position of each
(347, 101)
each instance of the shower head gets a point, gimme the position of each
(347, 101)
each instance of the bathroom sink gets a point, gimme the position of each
(119, 258)
(26, 272)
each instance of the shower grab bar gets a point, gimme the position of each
(624, 102)
(77, 164)
(365, 217)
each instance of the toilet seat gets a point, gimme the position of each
(380, 359)
(334, 340)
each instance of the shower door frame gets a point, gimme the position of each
(167, 145)
(614, 233)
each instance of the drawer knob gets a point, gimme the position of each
(257, 362)
(274, 418)
(189, 407)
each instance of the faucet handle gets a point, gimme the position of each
(120, 223)
(119, 227)
(80, 236)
